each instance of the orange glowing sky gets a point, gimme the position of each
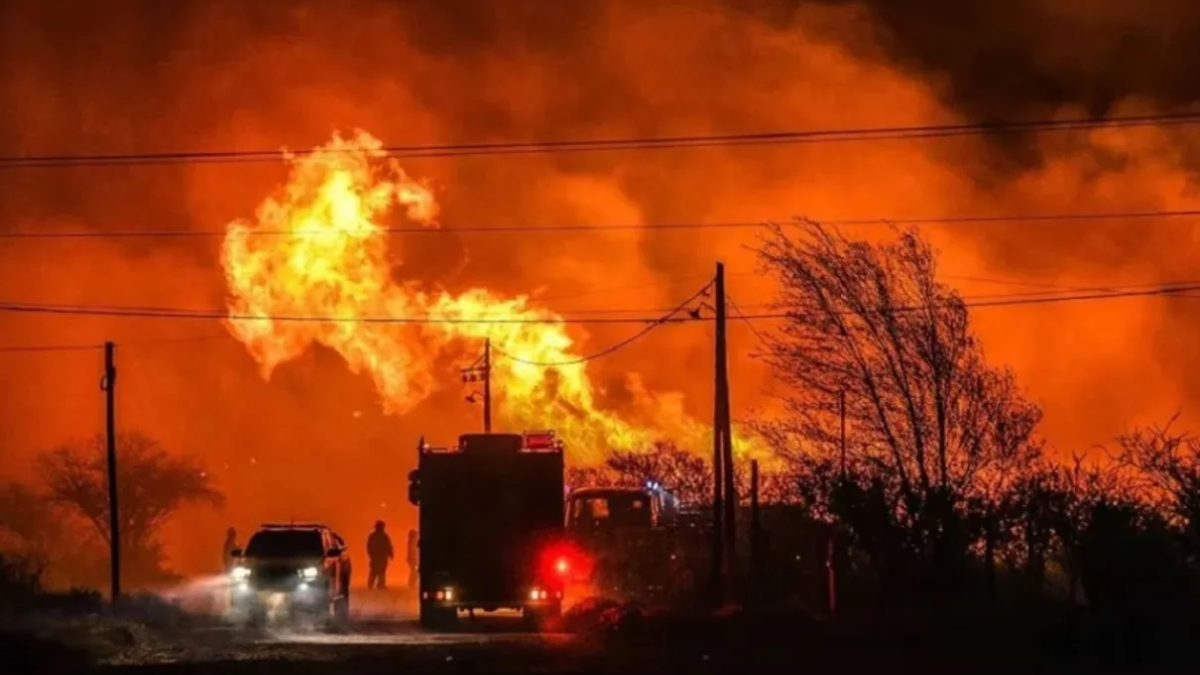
(226, 77)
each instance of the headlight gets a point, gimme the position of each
(309, 573)
(240, 573)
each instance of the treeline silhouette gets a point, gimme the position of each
(921, 461)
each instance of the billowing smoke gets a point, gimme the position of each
(140, 76)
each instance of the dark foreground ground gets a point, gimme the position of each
(383, 637)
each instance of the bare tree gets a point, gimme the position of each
(152, 485)
(1166, 466)
(932, 428)
(687, 476)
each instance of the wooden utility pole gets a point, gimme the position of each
(718, 456)
(842, 437)
(831, 569)
(109, 385)
(487, 386)
(482, 370)
(724, 435)
(755, 530)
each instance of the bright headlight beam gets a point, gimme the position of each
(240, 573)
(309, 573)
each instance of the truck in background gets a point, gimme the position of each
(627, 537)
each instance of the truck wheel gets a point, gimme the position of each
(256, 614)
(542, 619)
(438, 618)
(341, 608)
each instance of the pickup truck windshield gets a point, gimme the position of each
(285, 544)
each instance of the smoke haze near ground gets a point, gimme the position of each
(312, 442)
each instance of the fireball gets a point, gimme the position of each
(314, 267)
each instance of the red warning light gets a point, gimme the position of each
(566, 563)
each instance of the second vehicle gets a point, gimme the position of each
(306, 566)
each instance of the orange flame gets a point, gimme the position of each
(317, 249)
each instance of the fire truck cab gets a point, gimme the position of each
(593, 509)
(625, 535)
(491, 526)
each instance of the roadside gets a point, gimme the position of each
(155, 636)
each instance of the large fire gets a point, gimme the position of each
(317, 249)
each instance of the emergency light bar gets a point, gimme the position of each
(541, 440)
(532, 441)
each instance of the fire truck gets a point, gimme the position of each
(491, 527)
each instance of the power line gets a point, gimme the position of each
(40, 349)
(742, 315)
(615, 347)
(1051, 291)
(966, 219)
(671, 281)
(1020, 301)
(1011, 282)
(170, 313)
(1058, 288)
(124, 344)
(173, 313)
(624, 144)
(1020, 218)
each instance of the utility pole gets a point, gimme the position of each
(109, 385)
(831, 543)
(724, 508)
(842, 441)
(755, 530)
(487, 386)
(831, 569)
(481, 369)
(718, 456)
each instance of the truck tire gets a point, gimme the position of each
(341, 608)
(253, 614)
(542, 619)
(434, 617)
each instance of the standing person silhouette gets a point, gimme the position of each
(379, 553)
(227, 550)
(227, 562)
(413, 561)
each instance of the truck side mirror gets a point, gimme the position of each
(414, 487)
(333, 552)
(236, 553)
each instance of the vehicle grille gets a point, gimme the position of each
(274, 575)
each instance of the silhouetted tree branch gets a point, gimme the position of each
(684, 474)
(936, 436)
(1166, 465)
(153, 484)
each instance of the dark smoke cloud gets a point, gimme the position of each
(1007, 58)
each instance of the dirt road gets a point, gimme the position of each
(383, 637)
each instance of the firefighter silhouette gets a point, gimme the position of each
(227, 550)
(413, 560)
(380, 553)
